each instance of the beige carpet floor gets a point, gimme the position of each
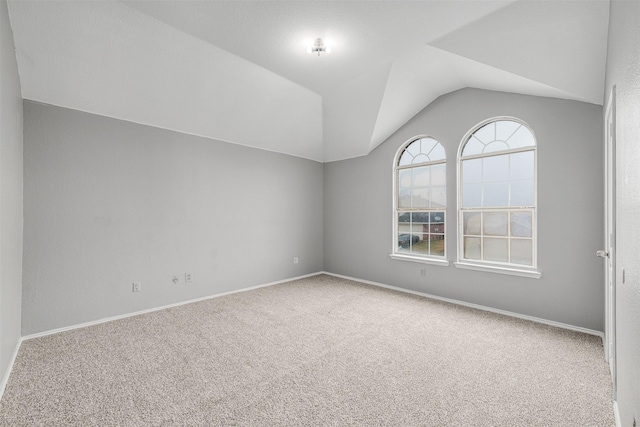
(320, 351)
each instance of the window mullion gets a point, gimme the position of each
(509, 236)
(497, 153)
(482, 236)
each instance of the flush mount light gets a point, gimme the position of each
(318, 47)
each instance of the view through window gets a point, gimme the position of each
(421, 198)
(497, 204)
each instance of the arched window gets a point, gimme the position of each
(420, 200)
(497, 195)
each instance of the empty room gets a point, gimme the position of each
(320, 213)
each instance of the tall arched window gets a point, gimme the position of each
(420, 200)
(497, 196)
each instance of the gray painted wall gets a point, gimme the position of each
(10, 195)
(358, 210)
(109, 202)
(623, 70)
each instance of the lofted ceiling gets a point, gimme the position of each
(238, 71)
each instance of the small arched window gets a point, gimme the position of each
(497, 195)
(420, 199)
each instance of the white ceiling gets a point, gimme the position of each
(238, 71)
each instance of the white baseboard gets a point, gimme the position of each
(5, 378)
(368, 282)
(151, 310)
(616, 413)
(476, 306)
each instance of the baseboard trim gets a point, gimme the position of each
(368, 282)
(476, 306)
(7, 374)
(5, 378)
(164, 307)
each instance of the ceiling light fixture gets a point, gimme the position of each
(318, 46)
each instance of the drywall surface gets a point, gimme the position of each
(106, 58)
(623, 71)
(358, 210)
(10, 195)
(109, 203)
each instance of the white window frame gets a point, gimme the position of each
(492, 266)
(424, 259)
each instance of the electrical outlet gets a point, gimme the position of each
(135, 286)
(295, 260)
(423, 271)
(188, 278)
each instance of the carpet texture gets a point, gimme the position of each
(317, 351)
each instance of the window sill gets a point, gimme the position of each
(433, 261)
(533, 274)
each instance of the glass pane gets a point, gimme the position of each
(472, 171)
(420, 218)
(522, 251)
(436, 228)
(404, 218)
(471, 223)
(420, 158)
(472, 247)
(505, 129)
(521, 165)
(414, 148)
(418, 245)
(437, 217)
(405, 159)
(471, 195)
(496, 249)
(404, 241)
(522, 193)
(404, 228)
(404, 178)
(420, 198)
(495, 168)
(522, 138)
(494, 146)
(404, 199)
(426, 145)
(439, 174)
(495, 223)
(486, 133)
(495, 194)
(438, 197)
(436, 244)
(421, 176)
(437, 153)
(472, 147)
(521, 224)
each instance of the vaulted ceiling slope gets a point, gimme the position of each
(238, 71)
